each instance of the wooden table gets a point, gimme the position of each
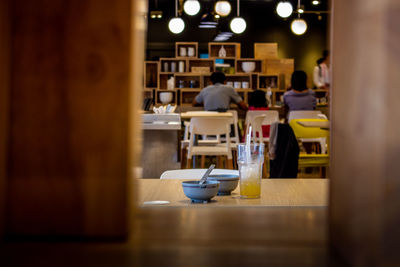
(190, 114)
(274, 193)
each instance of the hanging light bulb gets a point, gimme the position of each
(191, 7)
(238, 24)
(284, 9)
(223, 8)
(176, 24)
(299, 26)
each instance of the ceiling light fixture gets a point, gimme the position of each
(300, 9)
(208, 20)
(238, 24)
(223, 8)
(156, 14)
(284, 9)
(315, 2)
(298, 26)
(191, 7)
(176, 24)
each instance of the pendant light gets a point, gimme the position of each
(284, 9)
(238, 24)
(176, 24)
(191, 7)
(298, 26)
(223, 8)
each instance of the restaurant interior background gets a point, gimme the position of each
(69, 133)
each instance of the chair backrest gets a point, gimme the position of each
(307, 132)
(304, 114)
(256, 125)
(193, 174)
(271, 116)
(210, 125)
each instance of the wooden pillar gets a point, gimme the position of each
(4, 102)
(71, 117)
(365, 171)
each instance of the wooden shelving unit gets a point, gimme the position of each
(195, 74)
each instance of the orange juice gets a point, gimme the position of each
(250, 180)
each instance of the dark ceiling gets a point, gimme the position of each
(263, 25)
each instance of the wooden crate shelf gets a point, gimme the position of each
(188, 81)
(258, 62)
(174, 97)
(186, 46)
(166, 65)
(265, 81)
(187, 96)
(201, 63)
(232, 50)
(151, 74)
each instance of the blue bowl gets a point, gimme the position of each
(227, 182)
(200, 193)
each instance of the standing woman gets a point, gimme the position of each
(321, 72)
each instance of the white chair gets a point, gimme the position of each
(271, 116)
(309, 114)
(194, 174)
(256, 125)
(210, 126)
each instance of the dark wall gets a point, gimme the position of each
(263, 25)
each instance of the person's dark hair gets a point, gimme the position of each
(299, 80)
(258, 100)
(325, 53)
(218, 77)
(320, 60)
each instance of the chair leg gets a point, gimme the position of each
(229, 164)
(189, 163)
(203, 161)
(219, 162)
(183, 158)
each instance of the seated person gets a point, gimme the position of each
(258, 101)
(299, 97)
(218, 96)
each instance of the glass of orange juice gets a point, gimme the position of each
(250, 161)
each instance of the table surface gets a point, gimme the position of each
(190, 114)
(274, 192)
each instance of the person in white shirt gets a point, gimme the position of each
(321, 72)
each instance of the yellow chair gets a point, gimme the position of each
(311, 160)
